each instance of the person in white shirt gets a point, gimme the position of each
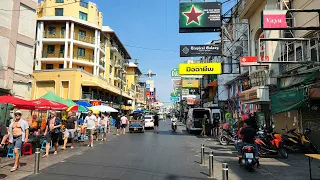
(124, 123)
(104, 125)
(98, 127)
(90, 123)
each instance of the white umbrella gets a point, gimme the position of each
(102, 108)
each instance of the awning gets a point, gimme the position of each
(288, 100)
(287, 82)
(213, 84)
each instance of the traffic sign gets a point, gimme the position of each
(174, 99)
(175, 72)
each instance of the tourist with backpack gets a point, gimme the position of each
(52, 132)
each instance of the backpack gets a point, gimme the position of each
(56, 122)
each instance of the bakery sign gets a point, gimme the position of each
(259, 94)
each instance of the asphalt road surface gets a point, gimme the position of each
(167, 156)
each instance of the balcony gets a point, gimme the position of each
(47, 34)
(102, 46)
(53, 54)
(248, 7)
(86, 39)
(117, 78)
(117, 64)
(88, 58)
(114, 48)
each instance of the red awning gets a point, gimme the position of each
(44, 104)
(9, 99)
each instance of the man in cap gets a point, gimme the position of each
(19, 133)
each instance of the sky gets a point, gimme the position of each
(146, 25)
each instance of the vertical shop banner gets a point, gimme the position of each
(199, 17)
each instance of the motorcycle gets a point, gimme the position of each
(297, 142)
(270, 144)
(248, 158)
(226, 137)
(174, 125)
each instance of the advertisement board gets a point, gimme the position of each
(252, 60)
(274, 19)
(190, 83)
(95, 103)
(175, 72)
(200, 50)
(199, 17)
(200, 69)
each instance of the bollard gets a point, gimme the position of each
(37, 161)
(225, 171)
(211, 174)
(202, 155)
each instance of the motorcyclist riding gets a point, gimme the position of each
(173, 123)
(247, 134)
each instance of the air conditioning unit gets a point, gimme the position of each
(86, 96)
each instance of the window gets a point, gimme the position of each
(83, 4)
(52, 30)
(83, 16)
(82, 34)
(110, 69)
(81, 52)
(61, 48)
(49, 66)
(59, 11)
(60, 66)
(63, 31)
(50, 49)
(80, 67)
(59, 1)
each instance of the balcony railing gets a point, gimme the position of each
(87, 39)
(102, 63)
(88, 58)
(114, 47)
(117, 64)
(53, 54)
(47, 34)
(102, 46)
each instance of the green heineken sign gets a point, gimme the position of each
(200, 17)
(175, 72)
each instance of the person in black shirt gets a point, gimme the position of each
(156, 123)
(117, 124)
(248, 135)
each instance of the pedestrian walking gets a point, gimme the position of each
(156, 123)
(52, 132)
(124, 120)
(203, 132)
(98, 127)
(19, 134)
(90, 124)
(104, 125)
(71, 128)
(118, 124)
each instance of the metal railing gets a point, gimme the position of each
(53, 54)
(47, 34)
(102, 46)
(88, 58)
(87, 39)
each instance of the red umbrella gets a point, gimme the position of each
(9, 99)
(43, 104)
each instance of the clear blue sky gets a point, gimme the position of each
(152, 24)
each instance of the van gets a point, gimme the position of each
(194, 119)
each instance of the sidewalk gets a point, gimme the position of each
(274, 168)
(27, 162)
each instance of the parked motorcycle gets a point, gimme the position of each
(297, 142)
(227, 136)
(270, 144)
(247, 157)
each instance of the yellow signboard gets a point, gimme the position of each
(200, 69)
(190, 83)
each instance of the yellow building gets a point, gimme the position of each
(76, 56)
(133, 74)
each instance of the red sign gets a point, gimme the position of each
(147, 93)
(252, 60)
(95, 103)
(274, 19)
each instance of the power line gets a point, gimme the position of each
(153, 49)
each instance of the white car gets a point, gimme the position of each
(149, 121)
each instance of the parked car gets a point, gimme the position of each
(149, 121)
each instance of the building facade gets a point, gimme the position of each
(77, 57)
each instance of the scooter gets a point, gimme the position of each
(226, 137)
(270, 144)
(248, 158)
(297, 142)
(174, 124)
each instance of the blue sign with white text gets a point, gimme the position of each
(174, 99)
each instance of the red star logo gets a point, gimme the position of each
(193, 15)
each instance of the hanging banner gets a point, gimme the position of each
(200, 50)
(200, 69)
(199, 17)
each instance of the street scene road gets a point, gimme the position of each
(167, 156)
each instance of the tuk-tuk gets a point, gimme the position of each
(136, 122)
